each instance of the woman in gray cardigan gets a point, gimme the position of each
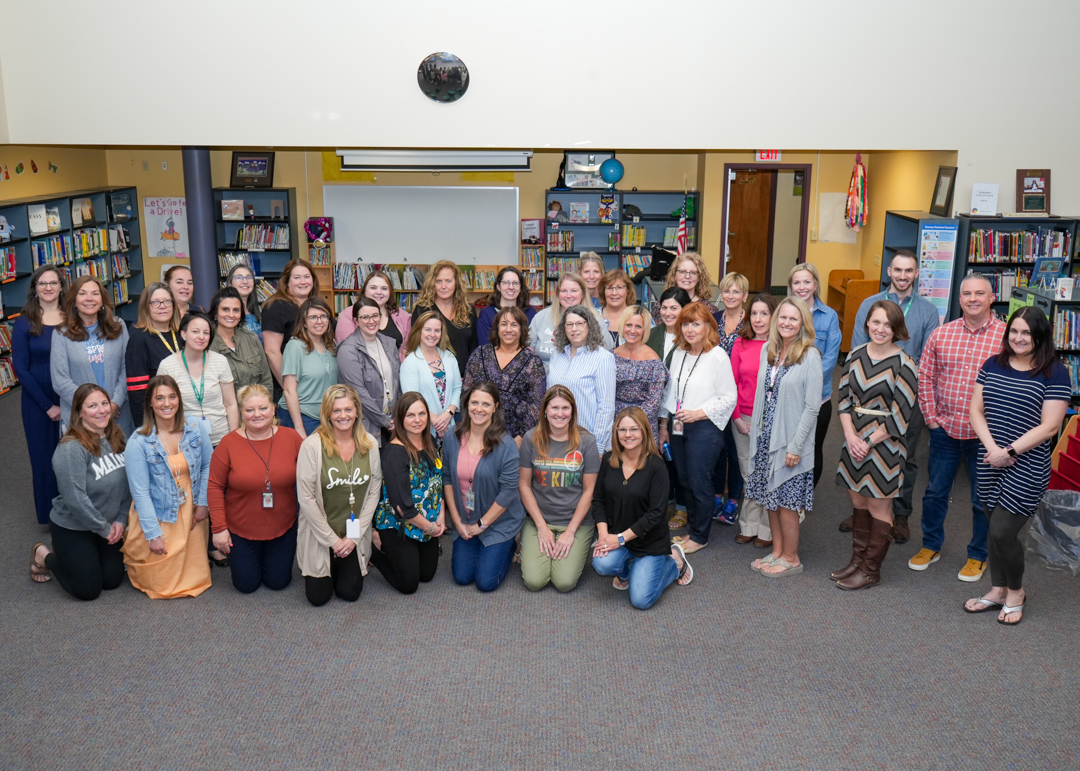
(782, 431)
(90, 347)
(368, 361)
(480, 482)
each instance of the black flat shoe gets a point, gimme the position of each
(221, 563)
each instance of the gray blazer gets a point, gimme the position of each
(795, 419)
(357, 368)
(70, 368)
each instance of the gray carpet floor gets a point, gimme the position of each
(734, 671)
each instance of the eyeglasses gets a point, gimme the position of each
(241, 277)
(161, 303)
(368, 318)
(576, 324)
(48, 284)
(687, 273)
(510, 284)
(320, 317)
(631, 430)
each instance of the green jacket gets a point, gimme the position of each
(248, 362)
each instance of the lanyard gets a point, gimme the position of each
(200, 390)
(679, 380)
(171, 349)
(905, 303)
(350, 474)
(270, 454)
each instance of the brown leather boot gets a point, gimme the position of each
(847, 524)
(869, 572)
(860, 534)
(900, 530)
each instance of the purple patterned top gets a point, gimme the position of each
(522, 384)
(640, 384)
(727, 342)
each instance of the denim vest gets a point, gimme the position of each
(153, 488)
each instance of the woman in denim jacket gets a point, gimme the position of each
(168, 464)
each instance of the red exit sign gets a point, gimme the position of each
(767, 155)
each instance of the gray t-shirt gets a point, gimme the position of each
(93, 489)
(557, 476)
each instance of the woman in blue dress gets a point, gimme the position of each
(31, 344)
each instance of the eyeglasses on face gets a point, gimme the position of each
(510, 284)
(161, 303)
(686, 273)
(576, 324)
(48, 284)
(320, 317)
(242, 277)
(368, 318)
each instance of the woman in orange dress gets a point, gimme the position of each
(168, 465)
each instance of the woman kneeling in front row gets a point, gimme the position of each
(629, 507)
(338, 482)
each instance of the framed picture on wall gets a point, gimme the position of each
(252, 170)
(1033, 190)
(941, 202)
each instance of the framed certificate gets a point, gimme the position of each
(1033, 190)
(583, 169)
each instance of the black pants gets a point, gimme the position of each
(345, 580)
(254, 563)
(404, 562)
(1004, 549)
(824, 417)
(727, 477)
(84, 563)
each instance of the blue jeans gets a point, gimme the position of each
(945, 456)
(254, 563)
(487, 566)
(649, 576)
(285, 419)
(695, 454)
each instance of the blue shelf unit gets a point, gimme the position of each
(268, 260)
(120, 268)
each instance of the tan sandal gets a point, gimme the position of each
(678, 521)
(619, 584)
(38, 573)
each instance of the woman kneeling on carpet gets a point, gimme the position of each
(338, 480)
(480, 480)
(629, 507)
(168, 463)
(878, 393)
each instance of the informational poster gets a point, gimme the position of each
(166, 228)
(937, 247)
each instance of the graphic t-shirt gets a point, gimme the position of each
(338, 480)
(558, 475)
(95, 352)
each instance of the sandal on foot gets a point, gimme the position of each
(679, 539)
(1007, 609)
(686, 573)
(788, 569)
(678, 521)
(38, 573)
(689, 547)
(619, 584)
(758, 564)
(984, 603)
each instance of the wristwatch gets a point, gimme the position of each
(622, 541)
(1012, 452)
(481, 523)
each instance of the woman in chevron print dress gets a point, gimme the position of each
(877, 395)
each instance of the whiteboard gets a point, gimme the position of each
(468, 225)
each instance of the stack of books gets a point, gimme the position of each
(263, 290)
(7, 375)
(634, 263)
(5, 337)
(633, 235)
(229, 260)
(90, 243)
(7, 263)
(319, 256)
(263, 237)
(120, 292)
(532, 257)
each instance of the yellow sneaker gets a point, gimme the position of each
(924, 559)
(972, 571)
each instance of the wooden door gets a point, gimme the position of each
(750, 227)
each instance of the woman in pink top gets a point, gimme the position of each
(745, 361)
(395, 323)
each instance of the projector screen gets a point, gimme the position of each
(469, 225)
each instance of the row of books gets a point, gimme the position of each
(51, 251)
(633, 235)
(1067, 328)
(319, 256)
(671, 236)
(262, 237)
(478, 280)
(1072, 363)
(95, 266)
(263, 290)
(7, 263)
(559, 265)
(534, 280)
(5, 337)
(229, 260)
(90, 243)
(532, 257)
(634, 263)
(560, 240)
(343, 300)
(1019, 245)
(120, 265)
(7, 375)
(407, 301)
(351, 275)
(120, 292)
(1004, 282)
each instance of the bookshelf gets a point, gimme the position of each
(265, 229)
(322, 264)
(348, 277)
(531, 260)
(99, 237)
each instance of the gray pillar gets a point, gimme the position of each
(198, 191)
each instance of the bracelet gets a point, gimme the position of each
(430, 529)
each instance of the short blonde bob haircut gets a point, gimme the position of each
(737, 280)
(646, 319)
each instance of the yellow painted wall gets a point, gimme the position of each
(77, 169)
(786, 226)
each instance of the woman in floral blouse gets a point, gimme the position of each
(639, 373)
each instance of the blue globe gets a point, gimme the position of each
(611, 171)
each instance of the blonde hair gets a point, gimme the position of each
(637, 415)
(461, 302)
(249, 391)
(703, 288)
(646, 319)
(587, 257)
(361, 437)
(737, 280)
(413, 341)
(810, 268)
(149, 425)
(556, 307)
(806, 334)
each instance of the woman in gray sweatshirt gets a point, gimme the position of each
(90, 514)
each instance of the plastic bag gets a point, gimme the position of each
(1054, 535)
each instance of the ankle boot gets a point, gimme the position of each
(869, 572)
(860, 535)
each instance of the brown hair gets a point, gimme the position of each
(361, 438)
(77, 432)
(697, 311)
(300, 331)
(461, 302)
(542, 435)
(523, 323)
(496, 429)
(32, 309)
(401, 408)
(616, 276)
(703, 288)
(522, 301)
(149, 423)
(637, 415)
(282, 291)
(413, 341)
(391, 301)
(144, 321)
(747, 331)
(109, 327)
(893, 315)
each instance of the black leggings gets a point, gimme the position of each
(824, 417)
(345, 580)
(84, 563)
(404, 562)
(1004, 549)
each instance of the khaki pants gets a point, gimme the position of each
(539, 570)
(753, 519)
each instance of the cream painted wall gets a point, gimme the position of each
(77, 169)
(786, 226)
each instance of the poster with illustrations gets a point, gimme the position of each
(937, 247)
(166, 228)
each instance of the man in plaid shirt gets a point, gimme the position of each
(952, 357)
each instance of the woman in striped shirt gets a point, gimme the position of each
(587, 368)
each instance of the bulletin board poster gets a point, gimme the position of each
(937, 248)
(166, 228)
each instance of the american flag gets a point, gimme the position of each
(680, 238)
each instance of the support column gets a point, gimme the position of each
(198, 191)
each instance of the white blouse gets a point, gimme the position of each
(703, 382)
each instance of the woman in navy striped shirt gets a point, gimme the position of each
(1020, 399)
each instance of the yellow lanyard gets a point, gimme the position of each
(165, 342)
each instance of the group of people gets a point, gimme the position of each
(254, 434)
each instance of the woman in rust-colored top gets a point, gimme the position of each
(252, 495)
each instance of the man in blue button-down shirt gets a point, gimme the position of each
(921, 318)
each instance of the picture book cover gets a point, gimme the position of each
(121, 204)
(532, 231)
(579, 212)
(232, 209)
(52, 218)
(35, 212)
